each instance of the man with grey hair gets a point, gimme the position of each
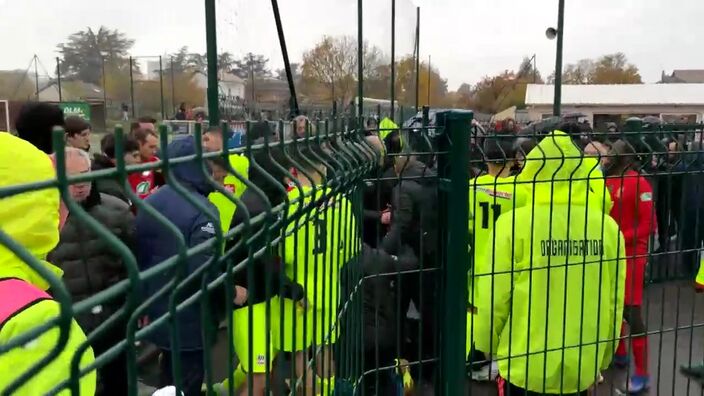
(300, 125)
(90, 265)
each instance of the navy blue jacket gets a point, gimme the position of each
(156, 244)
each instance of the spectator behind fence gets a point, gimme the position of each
(181, 113)
(31, 219)
(145, 182)
(414, 222)
(549, 333)
(380, 327)
(667, 183)
(106, 160)
(148, 123)
(77, 133)
(691, 230)
(35, 123)
(91, 265)
(375, 202)
(633, 211)
(156, 243)
(301, 124)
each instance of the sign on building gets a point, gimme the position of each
(79, 109)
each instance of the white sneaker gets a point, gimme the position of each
(488, 372)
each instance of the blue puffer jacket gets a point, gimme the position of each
(156, 244)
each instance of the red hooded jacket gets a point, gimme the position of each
(633, 210)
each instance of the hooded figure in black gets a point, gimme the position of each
(691, 216)
(414, 222)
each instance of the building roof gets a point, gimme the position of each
(694, 76)
(71, 90)
(618, 94)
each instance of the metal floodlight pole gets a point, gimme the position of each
(535, 70)
(212, 59)
(417, 58)
(36, 79)
(105, 95)
(58, 78)
(393, 58)
(161, 87)
(132, 86)
(173, 89)
(429, 71)
(556, 111)
(360, 60)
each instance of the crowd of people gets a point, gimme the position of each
(276, 241)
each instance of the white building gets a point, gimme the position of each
(228, 84)
(615, 103)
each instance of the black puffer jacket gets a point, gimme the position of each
(374, 273)
(414, 204)
(109, 186)
(89, 264)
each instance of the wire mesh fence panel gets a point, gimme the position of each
(576, 277)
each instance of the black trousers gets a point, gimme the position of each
(112, 377)
(192, 371)
(423, 335)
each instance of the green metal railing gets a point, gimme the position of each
(334, 162)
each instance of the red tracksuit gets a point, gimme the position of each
(143, 183)
(633, 211)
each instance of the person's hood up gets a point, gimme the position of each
(190, 173)
(386, 126)
(31, 218)
(559, 173)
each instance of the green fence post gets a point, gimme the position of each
(454, 169)
(212, 56)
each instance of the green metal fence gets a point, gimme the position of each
(345, 296)
(314, 229)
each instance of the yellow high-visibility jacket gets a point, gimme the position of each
(32, 220)
(226, 208)
(551, 310)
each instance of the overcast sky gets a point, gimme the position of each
(467, 39)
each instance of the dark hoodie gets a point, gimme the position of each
(109, 186)
(156, 244)
(414, 201)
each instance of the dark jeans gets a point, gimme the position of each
(191, 375)
(112, 377)
(512, 390)
(379, 382)
(423, 335)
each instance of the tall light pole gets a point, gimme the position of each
(551, 33)
(212, 58)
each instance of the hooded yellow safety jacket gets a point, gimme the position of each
(226, 208)
(32, 220)
(552, 303)
(386, 127)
